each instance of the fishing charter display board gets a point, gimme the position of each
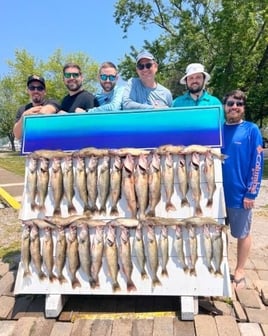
(144, 219)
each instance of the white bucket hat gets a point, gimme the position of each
(192, 69)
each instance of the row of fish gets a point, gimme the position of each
(98, 177)
(87, 243)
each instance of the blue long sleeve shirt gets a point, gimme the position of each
(111, 101)
(242, 169)
(138, 96)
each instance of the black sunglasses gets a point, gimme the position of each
(110, 77)
(71, 74)
(38, 88)
(231, 103)
(146, 65)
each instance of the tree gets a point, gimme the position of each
(13, 91)
(228, 37)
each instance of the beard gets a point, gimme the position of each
(74, 86)
(37, 99)
(195, 89)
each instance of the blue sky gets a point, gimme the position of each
(86, 26)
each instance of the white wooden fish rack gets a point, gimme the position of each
(177, 283)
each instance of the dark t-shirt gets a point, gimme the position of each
(28, 106)
(82, 99)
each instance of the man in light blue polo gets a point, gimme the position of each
(195, 80)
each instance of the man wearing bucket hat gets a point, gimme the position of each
(145, 92)
(195, 79)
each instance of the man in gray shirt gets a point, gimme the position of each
(144, 92)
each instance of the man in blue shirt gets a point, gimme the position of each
(145, 92)
(110, 97)
(195, 80)
(242, 173)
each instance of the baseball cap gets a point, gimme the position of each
(144, 54)
(37, 79)
(194, 68)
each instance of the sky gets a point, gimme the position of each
(42, 27)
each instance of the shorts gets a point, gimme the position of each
(240, 221)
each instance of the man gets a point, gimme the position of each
(36, 88)
(242, 172)
(78, 99)
(144, 92)
(110, 98)
(195, 80)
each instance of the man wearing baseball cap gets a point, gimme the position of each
(36, 88)
(144, 92)
(195, 79)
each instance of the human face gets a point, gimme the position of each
(195, 82)
(109, 82)
(73, 83)
(34, 90)
(149, 70)
(234, 110)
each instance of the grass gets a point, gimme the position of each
(15, 163)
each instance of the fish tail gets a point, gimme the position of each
(131, 286)
(144, 275)
(42, 208)
(193, 271)
(209, 203)
(34, 206)
(41, 275)
(62, 279)
(198, 210)
(170, 207)
(114, 211)
(164, 272)
(75, 283)
(151, 213)
(184, 202)
(218, 273)
(116, 287)
(156, 282)
(52, 277)
(210, 269)
(102, 210)
(185, 269)
(26, 273)
(57, 212)
(71, 209)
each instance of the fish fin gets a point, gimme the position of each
(102, 210)
(62, 279)
(144, 275)
(72, 210)
(193, 272)
(26, 273)
(75, 283)
(184, 202)
(116, 287)
(198, 210)
(151, 213)
(170, 207)
(114, 211)
(209, 203)
(52, 277)
(57, 212)
(156, 282)
(164, 272)
(41, 275)
(131, 286)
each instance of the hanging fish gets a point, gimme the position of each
(163, 244)
(141, 184)
(115, 184)
(97, 248)
(182, 180)
(168, 180)
(92, 183)
(68, 184)
(60, 254)
(194, 181)
(178, 244)
(31, 183)
(209, 171)
(138, 245)
(128, 186)
(154, 183)
(104, 183)
(56, 181)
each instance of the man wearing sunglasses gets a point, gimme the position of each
(195, 79)
(36, 88)
(242, 173)
(110, 97)
(77, 99)
(145, 92)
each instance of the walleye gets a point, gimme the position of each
(154, 184)
(42, 183)
(210, 177)
(88, 151)
(125, 256)
(49, 154)
(96, 250)
(115, 184)
(111, 255)
(60, 258)
(138, 245)
(194, 182)
(31, 183)
(128, 185)
(104, 184)
(25, 250)
(92, 179)
(47, 253)
(178, 244)
(207, 248)
(168, 179)
(182, 180)
(152, 251)
(81, 183)
(172, 149)
(129, 151)
(73, 257)
(203, 150)
(35, 252)
(217, 247)
(141, 184)
(193, 248)
(68, 184)
(56, 181)
(163, 243)
(84, 252)
(64, 221)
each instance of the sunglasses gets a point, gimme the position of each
(71, 74)
(38, 88)
(146, 65)
(231, 103)
(110, 77)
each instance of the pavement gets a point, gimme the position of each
(246, 316)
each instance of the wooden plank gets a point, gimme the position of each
(163, 326)
(7, 328)
(205, 326)
(183, 328)
(6, 306)
(102, 328)
(82, 327)
(61, 329)
(122, 327)
(142, 327)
